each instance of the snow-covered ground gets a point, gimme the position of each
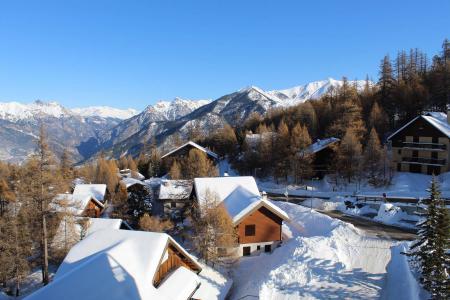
(404, 184)
(325, 258)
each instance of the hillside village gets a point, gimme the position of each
(331, 190)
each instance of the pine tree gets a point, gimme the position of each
(175, 170)
(213, 229)
(154, 162)
(40, 182)
(281, 151)
(373, 159)
(348, 158)
(378, 120)
(197, 164)
(301, 159)
(6, 196)
(430, 249)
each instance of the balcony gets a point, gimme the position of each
(424, 161)
(424, 146)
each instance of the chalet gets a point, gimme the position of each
(422, 145)
(183, 152)
(175, 196)
(97, 191)
(82, 205)
(258, 222)
(323, 155)
(122, 264)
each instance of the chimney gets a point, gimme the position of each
(264, 195)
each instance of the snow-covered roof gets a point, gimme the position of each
(175, 189)
(76, 204)
(319, 145)
(96, 224)
(240, 195)
(190, 143)
(127, 173)
(128, 181)
(117, 264)
(96, 191)
(436, 119)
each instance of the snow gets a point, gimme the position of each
(172, 110)
(239, 194)
(105, 112)
(128, 181)
(76, 203)
(437, 119)
(321, 144)
(312, 90)
(112, 264)
(400, 283)
(96, 224)
(179, 285)
(14, 111)
(191, 143)
(325, 258)
(214, 285)
(97, 191)
(175, 189)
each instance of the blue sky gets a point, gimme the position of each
(133, 53)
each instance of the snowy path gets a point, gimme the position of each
(325, 259)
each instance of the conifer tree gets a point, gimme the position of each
(281, 151)
(6, 196)
(373, 159)
(301, 159)
(154, 162)
(430, 249)
(175, 170)
(348, 157)
(197, 164)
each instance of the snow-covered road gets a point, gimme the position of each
(325, 259)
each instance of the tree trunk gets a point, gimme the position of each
(17, 287)
(45, 278)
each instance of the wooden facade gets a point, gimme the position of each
(420, 148)
(171, 260)
(260, 226)
(93, 210)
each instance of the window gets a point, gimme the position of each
(267, 248)
(435, 140)
(250, 230)
(400, 151)
(258, 247)
(173, 204)
(246, 251)
(416, 139)
(434, 155)
(415, 153)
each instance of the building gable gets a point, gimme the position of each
(416, 127)
(267, 227)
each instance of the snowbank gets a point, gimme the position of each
(400, 282)
(326, 258)
(214, 285)
(390, 214)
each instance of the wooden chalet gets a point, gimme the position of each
(258, 222)
(123, 264)
(175, 196)
(422, 145)
(324, 153)
(182, 152)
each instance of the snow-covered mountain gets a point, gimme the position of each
(234, 108)
(105, 112)
(85, 131)
(312, 90)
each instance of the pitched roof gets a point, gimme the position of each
(74, 203)
(319, 145)
(240, 195)
(128, 181)
(96, 191)
(175, 189)
(436, 119)
(190, 143)
(117, 264)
